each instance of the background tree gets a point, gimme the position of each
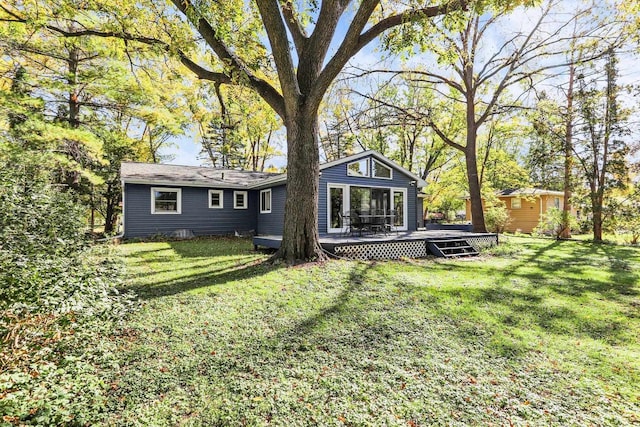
(478, 74)
(544, 159)
(92, 89)
(600, 145)
(237, 128)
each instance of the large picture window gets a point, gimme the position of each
(216, 199)
(265, 201)
(166, 200)
(240, 200)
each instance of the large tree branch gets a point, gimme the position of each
(277, 34)
(298, 33)
(504, 83)
(347, 49)
(271, 96)
(236, 66)
(316, 50)
(355, 39)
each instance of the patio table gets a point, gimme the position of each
(376, 222)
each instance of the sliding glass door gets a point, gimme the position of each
(343, 198)
(368, 200)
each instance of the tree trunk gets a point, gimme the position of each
(110, 210)
(597, 224)
(477, 214)
(471, 160)
(300, 238)
(568, 159)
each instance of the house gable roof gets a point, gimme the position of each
(528, 192)
(195, 176)
(369, 153)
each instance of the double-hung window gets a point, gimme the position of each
(240, 200)
(265, 201)
(216, 199)
(166, 200)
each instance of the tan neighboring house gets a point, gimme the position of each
(526, 206)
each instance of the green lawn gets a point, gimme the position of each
(539, 333)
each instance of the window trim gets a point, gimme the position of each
(221, 194)
(178, 192)
(519, 199)
(367, 168)
(262, 210)
(373, 168)
(235, 200)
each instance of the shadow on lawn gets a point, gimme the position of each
(540, 290)
(340, 306)
(215, 276)
(559, 266)
(208, 262)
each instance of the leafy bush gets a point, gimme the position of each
(497, 218)
(58, 300)
(551, 223)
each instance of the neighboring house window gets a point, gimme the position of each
(265, 201)
(239, 200)
(359, 168)
(516, 203)
(166, 200)
(216, 199)
(381, 171)
(556, 202)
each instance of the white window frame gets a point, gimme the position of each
(405, 207)
(263, 210)
(519, 204)
(345, 204)
(220, 194)
(367, 173)
(373, 169)
(245, 197)
(178, 192)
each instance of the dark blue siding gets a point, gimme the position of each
(338, 175)
(272, 223)
(195, 216)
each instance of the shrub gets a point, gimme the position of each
(497, 218)
(551, 223)
(58, 300)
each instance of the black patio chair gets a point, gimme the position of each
(390, 225)
(355, 223)
(345, 223)
(378, 222)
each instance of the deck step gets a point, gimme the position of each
(451, 248)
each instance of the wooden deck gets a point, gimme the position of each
(410, 244)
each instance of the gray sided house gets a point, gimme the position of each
(160, 199)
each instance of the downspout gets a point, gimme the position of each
(540, 209)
